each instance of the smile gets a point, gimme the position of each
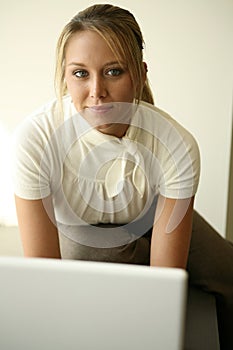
(101, 109)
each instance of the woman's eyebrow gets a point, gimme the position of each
(76, 64)
(114, 63)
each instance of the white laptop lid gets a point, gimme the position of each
(48, 304)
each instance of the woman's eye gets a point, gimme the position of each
(80, 73)
(114, 72)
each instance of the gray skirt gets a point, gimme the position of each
(135, 252)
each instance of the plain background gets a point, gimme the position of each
(189, 53)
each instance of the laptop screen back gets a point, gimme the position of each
(48, 304)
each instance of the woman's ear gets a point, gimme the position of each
(145, 67)
(145, 70)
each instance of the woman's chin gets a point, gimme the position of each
(104, 126)
(113, 129)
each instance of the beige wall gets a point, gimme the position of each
(189, 53)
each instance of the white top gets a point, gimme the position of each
(96, 178)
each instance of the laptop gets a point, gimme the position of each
(49, 304)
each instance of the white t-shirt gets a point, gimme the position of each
(97, 178)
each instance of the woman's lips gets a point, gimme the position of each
(108, 113)
(101, 109)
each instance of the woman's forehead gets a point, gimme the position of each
(88, 44)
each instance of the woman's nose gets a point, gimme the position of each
(98, 88)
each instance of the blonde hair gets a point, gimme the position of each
(121, 31)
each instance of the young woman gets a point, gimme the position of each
(102, 174)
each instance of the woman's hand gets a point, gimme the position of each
(171, 232)
(37, 228)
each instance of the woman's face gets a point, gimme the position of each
(95, 80)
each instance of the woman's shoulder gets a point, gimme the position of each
(162, 125)
(43, 121)
(159, 116)
(176, 151)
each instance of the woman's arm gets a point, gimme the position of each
(37, 228)
(171, 232)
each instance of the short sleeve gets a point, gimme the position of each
(30, 181)
(179, 163)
